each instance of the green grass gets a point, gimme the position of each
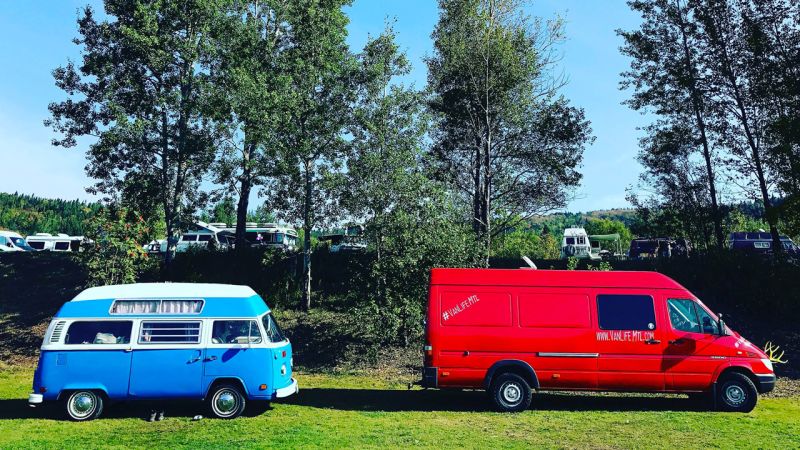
(359, 411)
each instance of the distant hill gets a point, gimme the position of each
(28, 214)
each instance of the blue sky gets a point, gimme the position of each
(35, 37)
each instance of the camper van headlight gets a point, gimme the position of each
(767, 363)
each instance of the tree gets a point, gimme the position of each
(310, 137)
(139, 92)
(388, 131)
(116, 255)
(673, 195)
(667, 77)
(504, 138)
(248, 86)
(741, 111)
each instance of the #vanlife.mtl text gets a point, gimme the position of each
(459, 307)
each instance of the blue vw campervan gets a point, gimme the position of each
(212, 342)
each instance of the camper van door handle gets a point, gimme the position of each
(466, 353)
(128, 350)
(652, 342)
(211, 358)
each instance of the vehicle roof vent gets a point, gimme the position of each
(58, 330)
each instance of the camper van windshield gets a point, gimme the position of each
(19, 242)
(274, 333)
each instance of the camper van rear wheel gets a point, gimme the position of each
(84, 405)
(737, 393)
(510, 393)
(226, 401)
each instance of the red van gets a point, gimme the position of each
(512, 332)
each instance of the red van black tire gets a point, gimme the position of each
(736, 393)
(510, 393)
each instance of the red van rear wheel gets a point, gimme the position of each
(510, 393)
(737, 393)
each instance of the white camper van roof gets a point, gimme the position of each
(165, 290)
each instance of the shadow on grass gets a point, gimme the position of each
(475, 401)
(375, 400)
(19, 409)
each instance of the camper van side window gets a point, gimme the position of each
(235, 332)
(99, 332)
(177, 332)
(626, 312)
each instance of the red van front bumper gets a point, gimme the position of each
(766, 383)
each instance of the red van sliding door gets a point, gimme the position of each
(629, 341)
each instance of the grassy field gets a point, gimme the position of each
(359, 411)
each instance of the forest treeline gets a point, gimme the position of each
(28, 214)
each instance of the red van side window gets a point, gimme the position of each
(554, 311)
(480, 309)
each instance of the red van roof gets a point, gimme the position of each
(554, 278)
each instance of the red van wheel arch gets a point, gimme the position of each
(520, 368)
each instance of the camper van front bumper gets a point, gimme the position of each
(35, 399)
(288, 390)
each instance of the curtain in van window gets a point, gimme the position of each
(157, 306)
(135, 307)
(181, 306)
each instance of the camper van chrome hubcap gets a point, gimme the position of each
(735, 394)
(511, 393)
(226, 402)
(82, 404)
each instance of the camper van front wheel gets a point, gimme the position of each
(510, 393)
(84, 405)
(226, 401)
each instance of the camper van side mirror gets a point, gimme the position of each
(721, 326)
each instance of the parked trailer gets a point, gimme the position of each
(57, 243)
(153, 341)
(513, 332)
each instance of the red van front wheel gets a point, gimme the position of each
(737, 393)
(510, 393)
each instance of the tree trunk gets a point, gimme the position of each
(246, 185)
(307, 224)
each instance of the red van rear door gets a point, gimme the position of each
(629, 341)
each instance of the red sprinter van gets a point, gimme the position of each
(513, 332)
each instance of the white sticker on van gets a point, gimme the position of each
(625, 336)
(459, 307)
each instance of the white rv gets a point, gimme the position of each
(575, 244)
(270, 235)
(13, 242)
(201, 236)
(59, 243)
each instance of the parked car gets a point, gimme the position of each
(211, 342)
(513, 332)
(13, 242)
(760, 243)
(659, 247)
